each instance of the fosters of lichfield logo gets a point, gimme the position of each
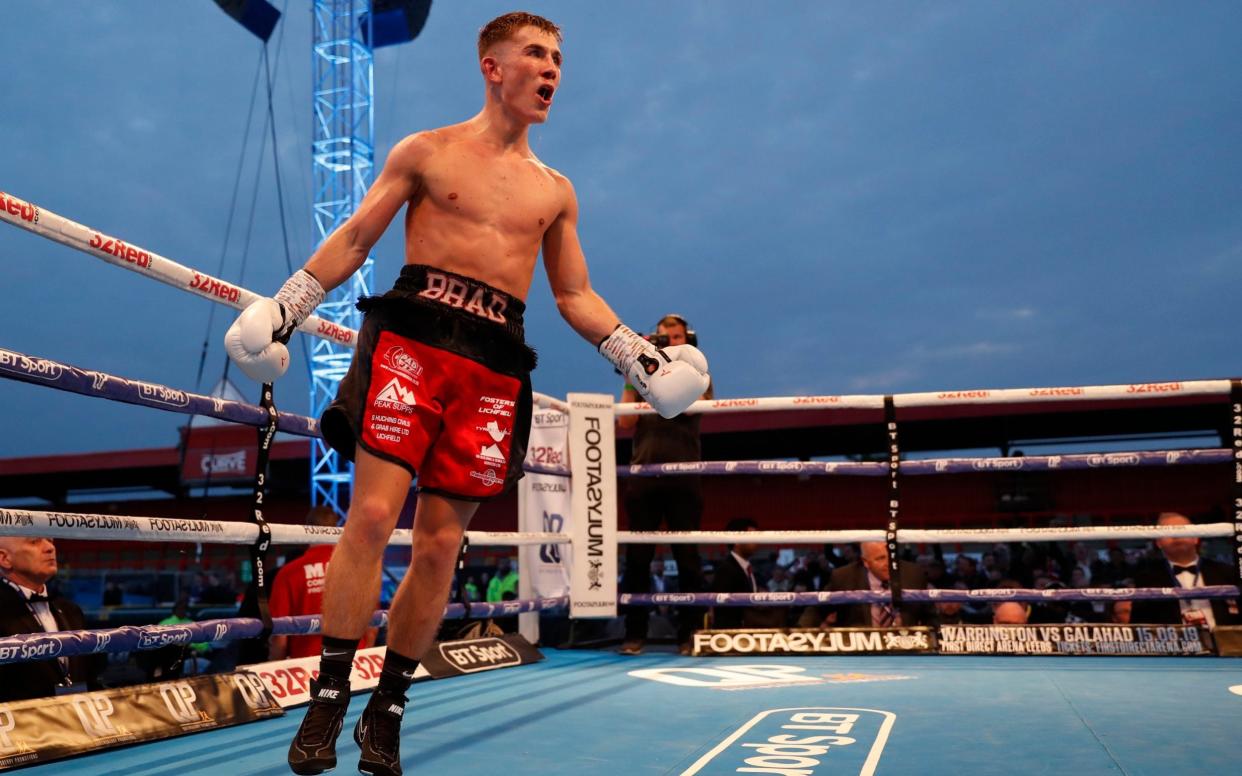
(802, 742)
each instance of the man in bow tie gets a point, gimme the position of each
(1181, 566)
(27, 605)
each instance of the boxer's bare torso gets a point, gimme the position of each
(478, 209)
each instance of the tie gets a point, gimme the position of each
(37, 598)
(750, 574)
(886, 614)
(1186, 570)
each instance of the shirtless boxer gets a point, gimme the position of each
(439, 386)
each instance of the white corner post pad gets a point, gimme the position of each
(593, 462)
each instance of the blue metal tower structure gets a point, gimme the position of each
(343, 162)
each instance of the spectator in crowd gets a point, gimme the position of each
(196, 655)
(1115, 571)
(1048, 612)
(504, 584)
(810, 573)
(1120, 611)
(28, 605)
(113, 594)
(1010, 613)
(217, 592)
(780, 581)
(950, 612)
(736, 574)
(966, 569)
(297, 590)
(933, 568)
(674, 502)
(472, 589)
(1179, 565)
(1081, 560)
(870, 572)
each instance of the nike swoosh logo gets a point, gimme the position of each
(407, 676)
(334, 654)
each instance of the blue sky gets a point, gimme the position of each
(841, 197)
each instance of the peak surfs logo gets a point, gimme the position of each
(479, 655)
(396, 396)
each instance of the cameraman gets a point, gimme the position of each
(678, 501)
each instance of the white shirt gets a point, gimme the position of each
(40, 609)
(1201, 605)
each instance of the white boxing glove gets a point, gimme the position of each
(256, 340)
(669, 379)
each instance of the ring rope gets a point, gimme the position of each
(1055, 395)
(32, 646)
(931, 536)
(991, 595)
(72, 525)
(101, 385)
(45, 223)
(929, 465)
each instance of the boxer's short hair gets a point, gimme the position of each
(503, 27)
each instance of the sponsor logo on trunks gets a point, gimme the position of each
(128, 253)
(465, 294)
(395, 396)
(397, 360)
(491, 454)
(488, 477)
(479, 655)
(493, 430)
(802, 742)
(501, 408)
(20, 208)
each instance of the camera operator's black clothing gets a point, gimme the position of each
(675, 501)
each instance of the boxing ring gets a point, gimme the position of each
(582, 711)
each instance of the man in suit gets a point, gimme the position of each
(28, 606)
(869, 572)
(1181, 566)
(736, 574)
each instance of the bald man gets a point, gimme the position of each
(27, 605)
(869, 572)
(1181, 566)
(1010, 613)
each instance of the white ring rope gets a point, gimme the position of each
(45, 223)
(69, 525)
(930, 536)
(1056, 395)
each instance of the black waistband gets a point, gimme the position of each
(474, 298)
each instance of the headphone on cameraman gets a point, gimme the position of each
(692, 337)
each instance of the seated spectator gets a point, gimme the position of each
(1049, 612)
(1010, 613)
(196, 655)
(780, 581)
(1179, 565)
(966, 569)
(951, 612)
(1114, 571)
(870, 572)
(503, 586)
(1120, 612)
(28, 605)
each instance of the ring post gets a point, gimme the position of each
(593, 461)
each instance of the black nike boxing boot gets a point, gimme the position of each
(378, 734)
(314, 747)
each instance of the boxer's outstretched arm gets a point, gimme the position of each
(583, 309)
(346, 248)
